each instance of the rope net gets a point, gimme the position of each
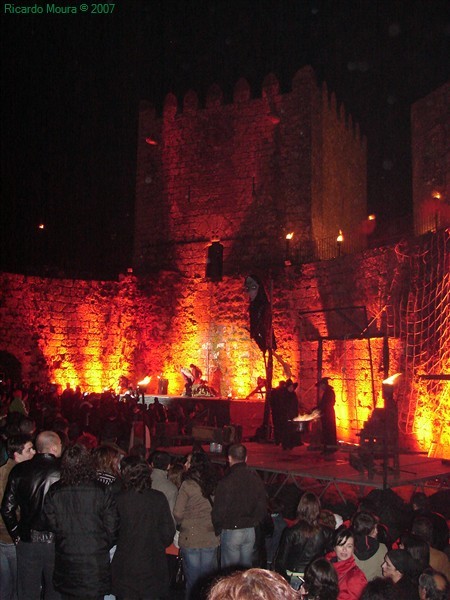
(420, 317)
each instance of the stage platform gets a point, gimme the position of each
(220, 411)
(310, 470)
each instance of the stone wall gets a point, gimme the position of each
(248, 173)
(91, 332)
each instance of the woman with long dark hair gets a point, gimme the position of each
(400, 567)
(350, 577)
(303, 542)
(369, 552)
(198, 542)
(139, 566)
(83, 515)
(321, 582)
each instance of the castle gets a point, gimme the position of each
(244, 176)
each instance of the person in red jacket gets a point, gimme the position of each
(350, 577)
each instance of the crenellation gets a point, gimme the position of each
(214, 97)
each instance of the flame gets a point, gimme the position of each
(290, 235)
(340, 237)
(393, 379)
(145, 381)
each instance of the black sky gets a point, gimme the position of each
(71, 85)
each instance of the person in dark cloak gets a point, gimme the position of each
(277, 413)
(260, 314)
(327, 399)
(284, 409)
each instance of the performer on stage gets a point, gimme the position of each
(259, 389)
(289, 410)
(194, 385)
(327, 399)
(196, 373)
(277, 415)
(188, 381)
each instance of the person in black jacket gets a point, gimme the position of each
(240, 504)
(399, 567)
(303, 542)
(83, 515)
(27, 486)
(139, 566)
(421, 506)
(289, 410)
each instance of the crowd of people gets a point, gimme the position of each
(87, 516)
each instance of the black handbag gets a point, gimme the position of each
(178, 579)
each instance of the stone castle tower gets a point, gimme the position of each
(247, 174)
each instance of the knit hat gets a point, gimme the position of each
(402, 561)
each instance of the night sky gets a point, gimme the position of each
(71, 86)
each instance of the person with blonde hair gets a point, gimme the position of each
(253, 584)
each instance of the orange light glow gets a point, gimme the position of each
(436, 195)
(41, 226)
(340, 237)
(289, 236)
(371, 217)
(145, 381)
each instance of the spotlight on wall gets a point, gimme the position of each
(287, 257)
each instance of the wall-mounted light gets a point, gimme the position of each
(339, 241)
(287, 257)
(437, 196)
(274, 118)
(371, 218)
(151, 141)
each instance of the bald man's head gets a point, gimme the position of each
(48, 442)
(433, 585)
